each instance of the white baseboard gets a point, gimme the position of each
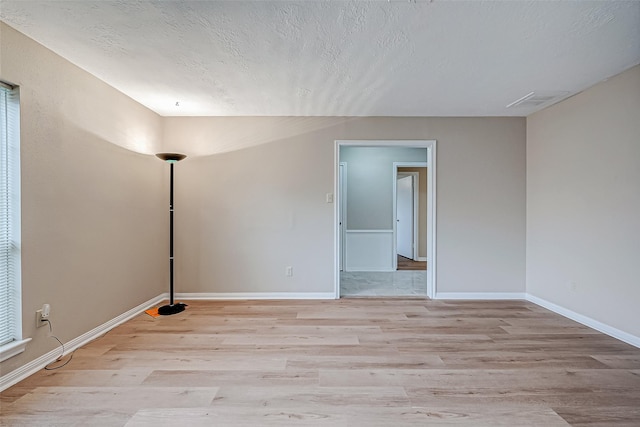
(422, 258)
(34, 366)
(482, 295)
(587, 321)
(254, 295)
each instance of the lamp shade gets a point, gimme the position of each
(171, 157)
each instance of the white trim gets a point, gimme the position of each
(430, 145)
(254, 295)
(34, 366)
(587, 321)
(580, 318)
(341, 205)
(422, 258)
(338, 239)
(415, 143)
(483, 296)
(13, 348)
(432, 288)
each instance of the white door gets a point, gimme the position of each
(404, 217)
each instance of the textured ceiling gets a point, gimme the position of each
(337, 58)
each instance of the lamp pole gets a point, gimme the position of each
(171, 308)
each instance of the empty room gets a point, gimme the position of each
(323, 213)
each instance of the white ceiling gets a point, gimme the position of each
(337, 58)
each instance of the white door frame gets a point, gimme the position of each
(430, 145)
(341, 204)
(415, 216)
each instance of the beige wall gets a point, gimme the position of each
(93, 212)
(243, 216)
(422, 208)
(583, 203)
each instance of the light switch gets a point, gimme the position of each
(329, 197)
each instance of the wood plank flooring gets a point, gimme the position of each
(409, 264)
(351, 362)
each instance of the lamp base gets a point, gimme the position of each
(169, 309)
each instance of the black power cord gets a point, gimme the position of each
(53, 368)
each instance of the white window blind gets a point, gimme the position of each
(10, 286)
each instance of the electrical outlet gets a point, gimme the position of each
(289, 272)
(39, 320)
(42, 315)
(46, 310)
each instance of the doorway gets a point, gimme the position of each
(411, 209)
(406, 206)
(351, 243)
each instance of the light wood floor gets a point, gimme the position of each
(352, 362)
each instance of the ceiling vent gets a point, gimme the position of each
(539, 98)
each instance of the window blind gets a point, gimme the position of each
(10, 324)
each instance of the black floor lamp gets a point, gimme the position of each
(171, 308)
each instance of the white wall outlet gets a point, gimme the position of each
(39, 321)
(42, 315)
(46, 310)
(329, 197)
(288, 271)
